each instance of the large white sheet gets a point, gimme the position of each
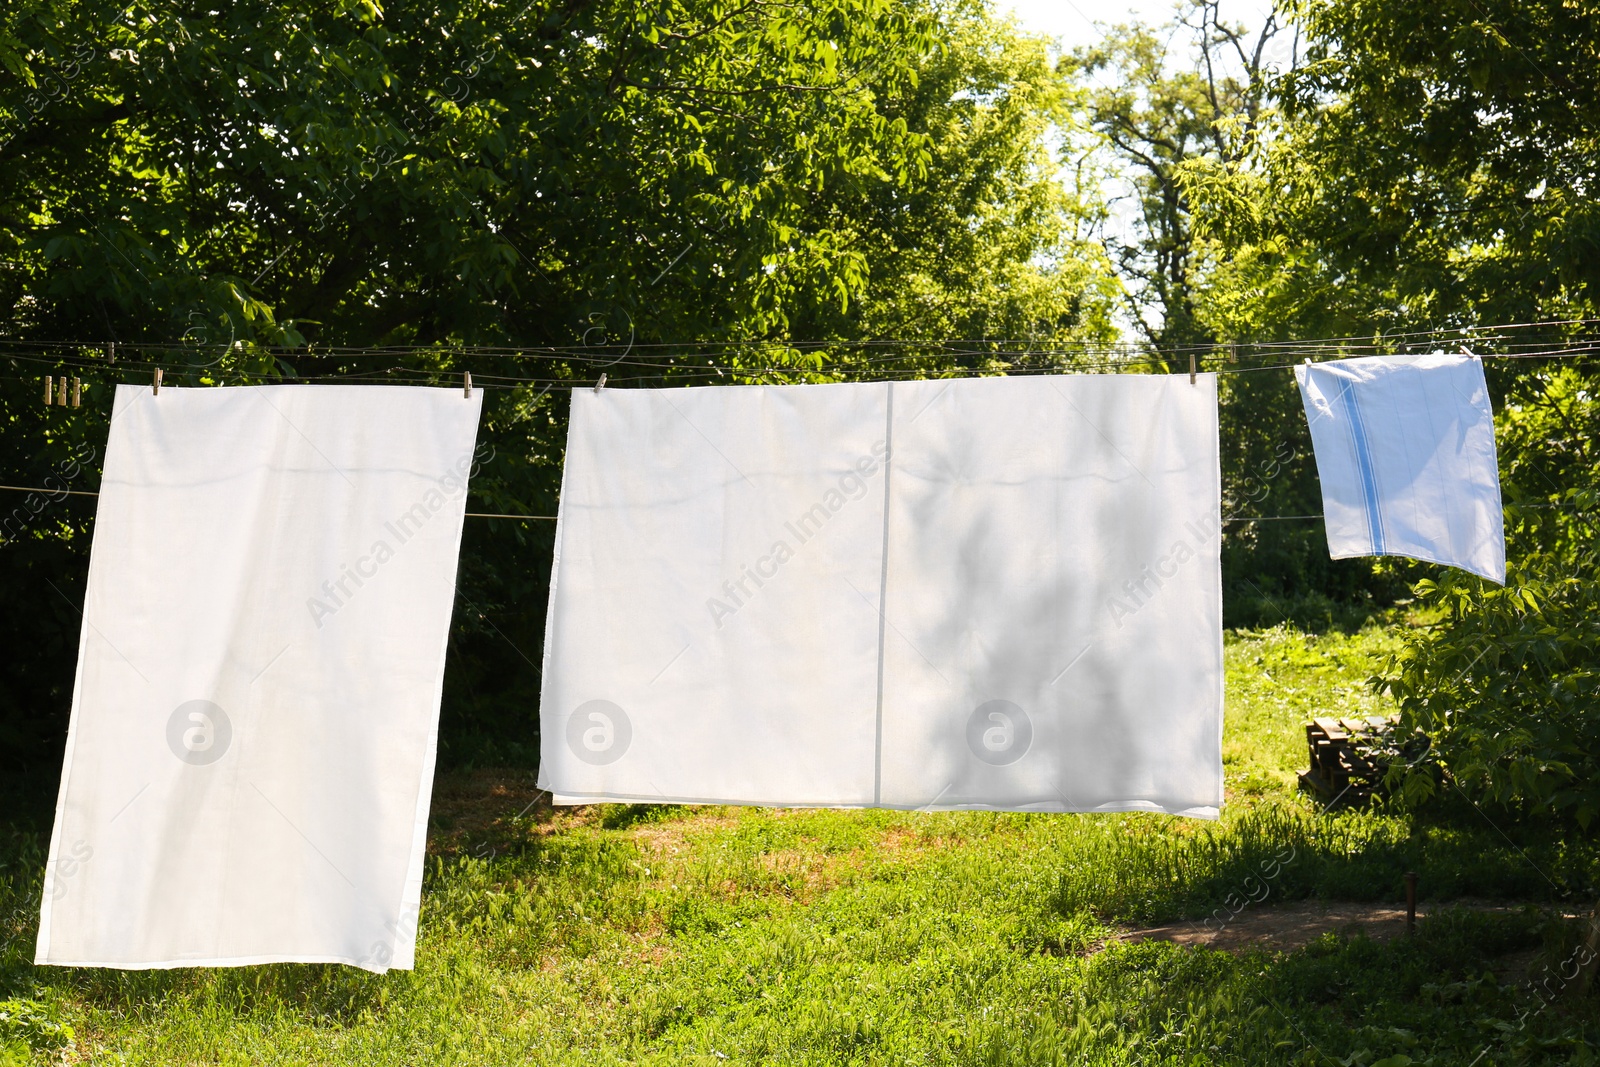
(256, 706)
(1406, 456)
(983, 593)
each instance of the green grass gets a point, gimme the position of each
(722, 935)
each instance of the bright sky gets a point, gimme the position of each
(1072, 21)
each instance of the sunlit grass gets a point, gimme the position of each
(725, 935)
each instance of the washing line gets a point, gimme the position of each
(695, 372)
(687, 360)
(552, 518)
(978, 345)
(82, 492)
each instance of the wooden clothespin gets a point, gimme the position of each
(155, 386)
(1191, 366)
(601, 384)
(466, 384)
(111, 351)
(49, 390)
(77, 392)
(61, 397)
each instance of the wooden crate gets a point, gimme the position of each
(1345, 765)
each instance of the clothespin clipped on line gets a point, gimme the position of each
(111, 351)
(55, 393)
(466, 384)
(1191, 366)
(601, 384)
(1469, 353)
(155, 385)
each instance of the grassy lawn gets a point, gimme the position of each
(723, 935)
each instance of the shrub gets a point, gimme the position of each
(1507, 683)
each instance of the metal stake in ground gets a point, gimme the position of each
(1411, 902)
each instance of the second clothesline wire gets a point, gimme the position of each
(552, 518)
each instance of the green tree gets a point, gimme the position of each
(995, 242)
(346, 175)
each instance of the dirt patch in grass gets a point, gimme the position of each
(1287, 927)
(683, 833)
(477, 812)
(473, 807)
(678, 851)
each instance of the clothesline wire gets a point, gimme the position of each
(84, 492)
(1047, 357)
(1378, 339)
(677, 358)
(689, 372)
(552, 518)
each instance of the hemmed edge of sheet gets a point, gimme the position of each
(404, 948)
(224, 961)
(1193, 811)
(1499, 579)
(541, 777)
(42, 938)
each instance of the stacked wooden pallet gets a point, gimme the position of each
(1348, 757)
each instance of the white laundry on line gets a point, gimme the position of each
(256, 706)
(983, 593)
(1406, 456)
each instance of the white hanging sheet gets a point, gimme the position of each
(256, 705)
(983, 593)
(1406, 456)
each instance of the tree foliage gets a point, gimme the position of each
(1507, 685)
(345, 174)
(1435, 165)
